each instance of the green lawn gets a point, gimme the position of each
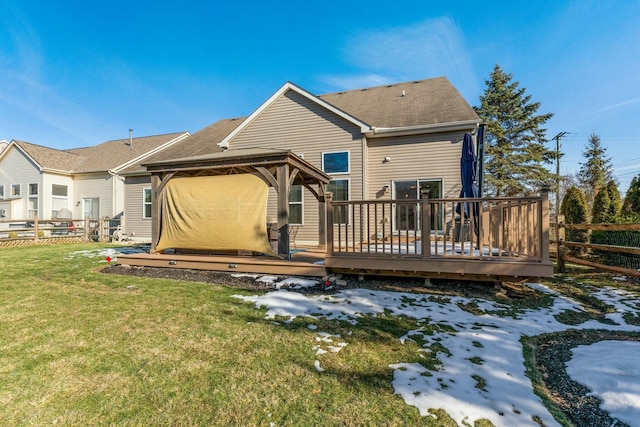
(79, 347)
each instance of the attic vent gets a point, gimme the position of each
(364, 89)
(390, 86)
(416, 82)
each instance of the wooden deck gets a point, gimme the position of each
(506, 239)
(309, 262)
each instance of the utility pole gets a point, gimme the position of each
(558, 243)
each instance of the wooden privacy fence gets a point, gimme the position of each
(591, 251)
(505, 228)
(37, 231)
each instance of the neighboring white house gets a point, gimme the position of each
(38, 181)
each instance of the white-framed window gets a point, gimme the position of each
(336, 162)
(405, 214)
(1, 191)
(59, 199)
(32, 207)
(16, 190)
(146, 203)
(91, 207)
(296, 205)
(32, 203)
(340, 190)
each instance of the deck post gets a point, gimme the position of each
(426, 225)
(156, 211)
(283, 210)
(322, 217)
(544, 223)
(328, 197)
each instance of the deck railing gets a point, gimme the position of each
(507, 228)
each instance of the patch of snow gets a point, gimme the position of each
(605, 368)
(250, 276)
(317, 366)
(482, 375)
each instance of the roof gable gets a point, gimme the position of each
(364, 127)
(45, 158)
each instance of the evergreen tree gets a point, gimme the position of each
(601, 206)
(616, 201)
(597, 170)
(514, 141)
(574, 209)
(632, 199)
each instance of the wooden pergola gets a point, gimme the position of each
(280, 169)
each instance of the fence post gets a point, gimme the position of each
(86, 228)
(35, 229)
(425, 225)
(560, 236)
(328, 198)
(544, 222)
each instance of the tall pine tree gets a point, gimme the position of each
(515, 152)
(596, 171)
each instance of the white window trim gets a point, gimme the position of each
(19, 190)
(37, 189)
(338, 152)
(301, 203)
(150, 203)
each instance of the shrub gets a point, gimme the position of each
(574, 209)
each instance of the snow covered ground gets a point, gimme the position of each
(484, 374)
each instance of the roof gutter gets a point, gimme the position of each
(422, 129)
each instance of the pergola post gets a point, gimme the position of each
(322, 217)
(156, 205)
(282, 176)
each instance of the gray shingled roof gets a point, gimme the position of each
(50, 158)
(111, 154)
(99, 158)
(425, 102)
(200, 143)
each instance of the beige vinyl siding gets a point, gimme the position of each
(424, 157)
(296, 123)
(133, 208)
(94, 186)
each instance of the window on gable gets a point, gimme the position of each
(33, 189)
(336, 162)
(146, 203)
(15, 190)
(295, 205)
(1, 191)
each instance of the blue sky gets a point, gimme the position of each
(80, 73)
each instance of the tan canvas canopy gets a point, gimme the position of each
(218, 201)
(224, 212)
